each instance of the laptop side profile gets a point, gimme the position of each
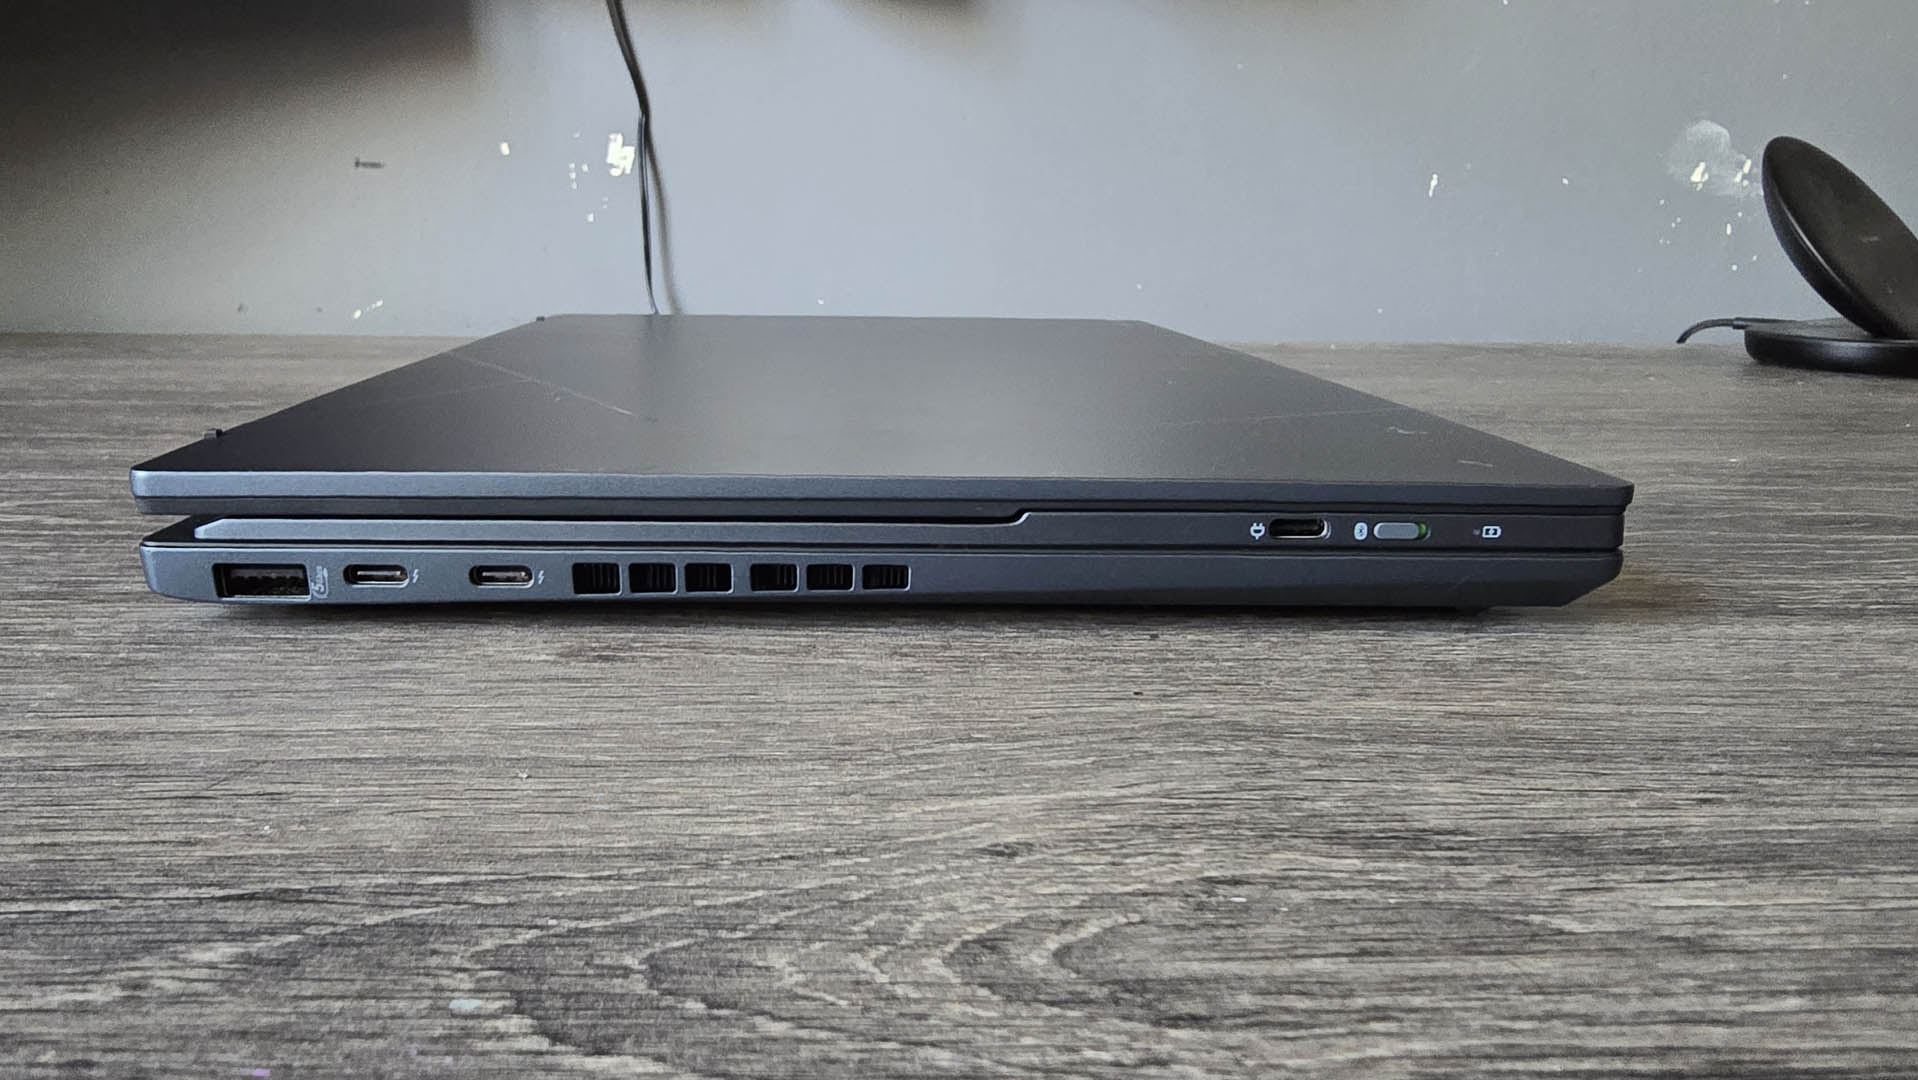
(825, 459)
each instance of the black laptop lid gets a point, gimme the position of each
(603, 413)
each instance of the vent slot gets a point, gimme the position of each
(829, 577)
(595, 578)
(883, 576)
(774, 577)
(709, 577)
(651, 577)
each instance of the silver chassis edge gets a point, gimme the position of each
(445, 573)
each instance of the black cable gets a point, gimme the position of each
(642, 145)
(1738, 323)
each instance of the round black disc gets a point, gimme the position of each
(1831, 345)
(1843, 238)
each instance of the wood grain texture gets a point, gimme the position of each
(1666, 831)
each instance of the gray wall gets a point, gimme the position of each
(1239, 170)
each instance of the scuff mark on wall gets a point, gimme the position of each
(1703, 157)
(619, 155)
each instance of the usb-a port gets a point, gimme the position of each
(285, 581)
(502, 575)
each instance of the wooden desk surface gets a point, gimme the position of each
(1668, 830)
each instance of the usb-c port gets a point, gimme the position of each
(374, 575)
(502, 575)
(1296, 528)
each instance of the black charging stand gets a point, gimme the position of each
(1852, 249)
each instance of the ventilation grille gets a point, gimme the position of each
(595, 578)
(664, 578)
(709, 577)
(651, 577)
(829, 577)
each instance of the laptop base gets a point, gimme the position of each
(311, 573)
